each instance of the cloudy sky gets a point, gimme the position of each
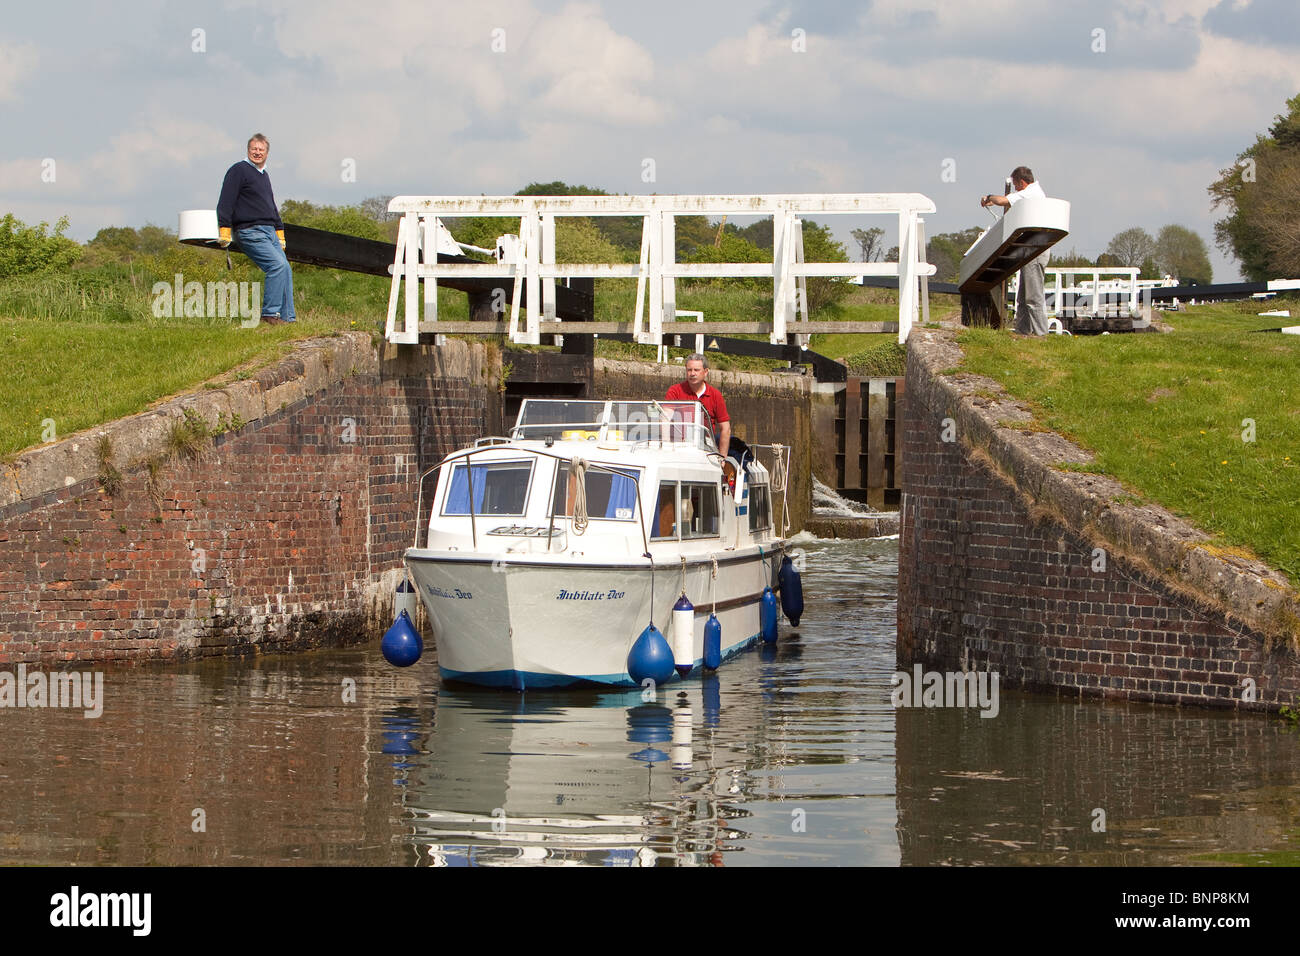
(1126, 108)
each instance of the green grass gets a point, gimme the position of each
(864, 355)
(83, 347)
(81, 374)
(1165, 415)
(873, 355)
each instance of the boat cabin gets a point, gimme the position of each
(618, 479)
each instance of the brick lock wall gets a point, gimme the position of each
(989, 582)
(284, 534)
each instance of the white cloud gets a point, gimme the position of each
(17, 63)
(570, 63)
(161, 142)
(588, 70)
(158, 145)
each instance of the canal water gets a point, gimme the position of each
(790, 755)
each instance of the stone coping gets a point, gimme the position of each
(720, 377)
(313, 365)
(1094, 506)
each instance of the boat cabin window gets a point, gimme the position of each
(699, 510)
(692, 504)
(666, 511)
(559, 420)
(760, 508)
(611, 496)
(499, 488)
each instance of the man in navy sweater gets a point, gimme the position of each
(247, 208)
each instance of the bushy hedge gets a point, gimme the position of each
(27, 249)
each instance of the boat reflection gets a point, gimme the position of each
(608, 779)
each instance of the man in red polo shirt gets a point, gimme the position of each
(697, 388)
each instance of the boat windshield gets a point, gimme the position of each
(645, 421)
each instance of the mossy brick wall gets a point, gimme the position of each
(285, 533)
(1008, 563)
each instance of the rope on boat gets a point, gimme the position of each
(778, 471)
(580, 519)
(714, 575)
(779, 482)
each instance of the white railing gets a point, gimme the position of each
(662, 354)
(532, 268)
(1095, 294)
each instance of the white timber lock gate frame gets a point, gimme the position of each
(531, 264)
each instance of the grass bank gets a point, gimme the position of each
(84, 347)
(1204, 420)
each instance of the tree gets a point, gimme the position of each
(349, 220)
(622, 231)
(732, 248)
(25, 249)
(155, 240)
(1272, 218)
(376, 207)
(1182, 253)
(579, 239)
(557, 188)
(945, 252)
(869, 242)
(758, 232)
(1260, 193)
(1064, 260)
(820, 246)
(946, 268)
(690, 233)
(111, 244)
(1131, 246)
(122, 240)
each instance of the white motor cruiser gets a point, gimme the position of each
(547, 554)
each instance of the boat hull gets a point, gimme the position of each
(536, 623)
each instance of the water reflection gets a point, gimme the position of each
(1089, 783)
(790, 754)
(609, 780)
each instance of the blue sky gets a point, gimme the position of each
(141, 118)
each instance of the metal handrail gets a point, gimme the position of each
(701, 430)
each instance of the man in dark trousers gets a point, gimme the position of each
(247, 208)
(1031, 302)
